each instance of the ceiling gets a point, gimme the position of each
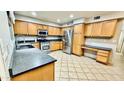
(61, 16)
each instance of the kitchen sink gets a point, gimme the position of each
(24, 47)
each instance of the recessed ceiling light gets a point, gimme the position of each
(34, 13)
(58, 20)
(71, 15)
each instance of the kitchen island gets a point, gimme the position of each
(32, 65)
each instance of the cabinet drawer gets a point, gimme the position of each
(102, 51)
(102, 59)
(103, 54)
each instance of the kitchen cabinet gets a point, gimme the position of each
(62, 31)
(39, 26)
(32, 29)
(78, 39)
(77, 50)
(60, 45)
(108, 28)
(36, 45)
(103, 56)
(55, 45)
(54, 31)
(20, 27)
(43, 73)
(45, 27)
(88, 30)
(79, 29)
(96, 29)
(101, 29)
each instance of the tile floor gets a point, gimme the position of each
(75, 68)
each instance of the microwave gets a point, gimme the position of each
(42, 33)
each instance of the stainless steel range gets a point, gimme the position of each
(45, 46)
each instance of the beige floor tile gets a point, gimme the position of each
(72, 69)
(90, 76)
(73, 75)
(64, 79)
(82, 76)
(82, 67)
(64, 69)
(64, 75)
(74, 79)
(78, 69)
(100, 77)
(86, 70)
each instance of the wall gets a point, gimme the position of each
(110, 43)
(106, 17)
(6, 45)
(34, 20)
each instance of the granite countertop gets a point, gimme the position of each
(28, 59)
(102, 48)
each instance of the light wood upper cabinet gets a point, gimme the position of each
(96, 29)
(32, 29)
(108, 28)
(20, 27)
(78, 28)
(39, 26)
(62, 31)
(54, 31)
(100, 29)
(45, 27)
(88, 29)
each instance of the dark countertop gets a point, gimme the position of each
(28, 59)
(102, 48)
(46, 40)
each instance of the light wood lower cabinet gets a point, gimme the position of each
(36, 45)
(56, 45)
(103, 56)
(44, 73)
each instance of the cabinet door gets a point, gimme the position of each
(39, 26)
(88, 30)
(20, 28)
(51, 30)
(77, 50)
(62, 31)
(58, 31)
(36, 45)
(78, 28)
(78, 39)
(32, 29)
(96, 29)
(108, 28)
(45, 27)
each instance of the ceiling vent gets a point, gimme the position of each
(96, 17)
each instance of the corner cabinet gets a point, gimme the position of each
(78, 39)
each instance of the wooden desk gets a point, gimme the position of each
(102, 56)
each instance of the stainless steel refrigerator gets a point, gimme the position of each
(67, 41)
